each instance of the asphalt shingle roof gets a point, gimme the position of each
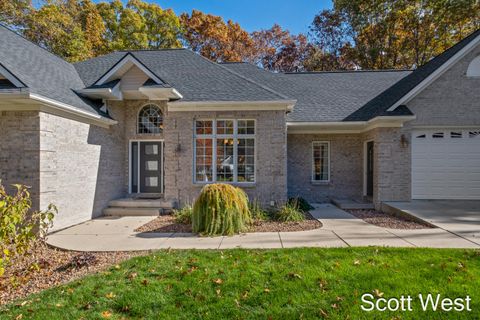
(323, 96)
(42, 72)
(195, 77)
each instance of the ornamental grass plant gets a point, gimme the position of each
(221, 209)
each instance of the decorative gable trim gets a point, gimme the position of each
(127, 59)
(436, 74)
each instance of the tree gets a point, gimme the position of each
(214, 39)
(330, 43)
(277, 50)
(378, 34)
(13, 12)
(139, 25)
(67, 28)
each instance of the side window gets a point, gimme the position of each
(320, 161)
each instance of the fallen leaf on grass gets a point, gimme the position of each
(145, 282)
(378, 293)
(20, 316)
(356, 262)
(106, 314)
(218, 281)
(292, 275)
(266, 290)
(132, 275)
(323, 313)
(110, 295)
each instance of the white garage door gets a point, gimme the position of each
(446, 164)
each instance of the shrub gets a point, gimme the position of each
(184, 215)
(301, 203)
(289, 212)
(20, 228)
(257, 212)
(221, 209)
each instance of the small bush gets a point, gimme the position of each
(301, 204)
(20, 228)
(184, 215)
(289, 213)
(221, 209)
(257, 212)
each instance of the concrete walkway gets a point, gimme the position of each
(340, 229)
(460, 217)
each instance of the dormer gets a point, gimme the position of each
(130, 79)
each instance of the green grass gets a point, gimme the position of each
(262, 284)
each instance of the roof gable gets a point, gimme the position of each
(403, 90)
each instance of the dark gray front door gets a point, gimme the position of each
(147, 167)
(370, 168)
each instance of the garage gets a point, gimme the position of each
(446, 164)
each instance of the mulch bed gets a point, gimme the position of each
(386, 220)
(55, 267)
(168, 224)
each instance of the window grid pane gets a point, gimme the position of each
(225, 163)
(224, 126)
(246, 126)
(320, 162)
(204, 127)
(203, 160)
(222, 154)
(246, 160)
(150, 120)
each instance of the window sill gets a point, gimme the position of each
(235, 184)
(320, 183)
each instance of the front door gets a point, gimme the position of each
(146, 167)
(369, 169)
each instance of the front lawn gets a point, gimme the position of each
(262, 284)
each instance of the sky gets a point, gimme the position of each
(294, 15)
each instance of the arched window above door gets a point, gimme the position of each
(150, 120)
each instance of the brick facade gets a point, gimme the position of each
(271, 154)
(19, 151)
(346, 167)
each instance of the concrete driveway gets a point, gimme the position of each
(461, 217)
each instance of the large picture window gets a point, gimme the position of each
(225, 151)
(320, 161)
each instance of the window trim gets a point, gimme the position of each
(137, 120)
(235, 136)
(313, 162)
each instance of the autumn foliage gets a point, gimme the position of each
(354, 34)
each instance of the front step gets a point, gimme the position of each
(138, 207)
(141, 203)
(348, 204)
(132, 211)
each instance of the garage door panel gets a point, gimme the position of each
(446, 168)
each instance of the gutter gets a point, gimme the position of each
(286, 105)
(348, 126)
(51, 106)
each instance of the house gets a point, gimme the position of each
(163, 123)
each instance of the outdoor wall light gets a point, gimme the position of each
(403, 141)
